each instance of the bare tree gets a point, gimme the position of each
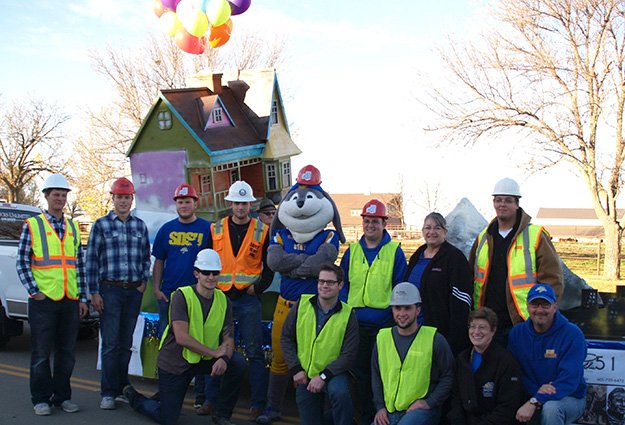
(553, 72)
(30, 142)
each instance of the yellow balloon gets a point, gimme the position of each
(197, 25)
(218, 12)
(170, 23)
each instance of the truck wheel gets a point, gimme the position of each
(4, 328)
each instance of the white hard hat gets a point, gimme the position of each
(56, 181)
(240, 191)
(507, 186)
(405, 293)
(208, 259)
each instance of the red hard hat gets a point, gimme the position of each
(122, 186)
(309, 175)
(374, 208)
(185, 190)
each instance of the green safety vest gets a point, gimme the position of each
(371, 286)
(53, 260)
(407, 381)
(316, 351)
(206, 332)
(521, 267)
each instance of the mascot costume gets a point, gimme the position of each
(300, 244)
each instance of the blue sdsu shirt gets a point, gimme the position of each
(291, 288)
(177, 244)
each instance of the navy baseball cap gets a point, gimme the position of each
(540, 290)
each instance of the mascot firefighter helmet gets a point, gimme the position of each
(185, 190)
(240, 191)
(309, 175)
(374, 208)
(122, 186)
(208, 259)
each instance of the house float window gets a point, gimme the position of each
(272, 181)
(234, 175)
(286, 174)
(354, 213)
(274, 112)
(205, 183)
(164, 120)
(217, 115)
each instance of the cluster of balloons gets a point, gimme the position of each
(196, 23)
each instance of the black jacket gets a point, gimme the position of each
(492, 395)
(447, 293)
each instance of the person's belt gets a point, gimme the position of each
(122, 283)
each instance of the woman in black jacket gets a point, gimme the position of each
(487, 386)
(442, 274)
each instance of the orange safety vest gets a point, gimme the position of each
(53, 260)
(245, 269)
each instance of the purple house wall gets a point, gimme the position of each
(156, 176)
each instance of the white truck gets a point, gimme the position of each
(13, 295)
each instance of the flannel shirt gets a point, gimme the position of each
(24, 253)
(117, 250)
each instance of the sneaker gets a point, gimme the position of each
(69, 406)
(199, 401)
(130, 393)
(268, 416)
(122, 399)
(218, 420)
(204, 410)
(42, 409)
(255, 412)
(107, 403)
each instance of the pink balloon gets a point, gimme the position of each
(239, 6)
(170, 4)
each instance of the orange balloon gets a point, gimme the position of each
(220, 35)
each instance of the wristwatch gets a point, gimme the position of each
(323, 376)
(535, 402)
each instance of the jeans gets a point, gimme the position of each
(163, 316)
(172, 389)
(362, 371)
(117, 325)
(415, 417)
(247, 310)
(560, 412)
(311, 405)
(52, 324)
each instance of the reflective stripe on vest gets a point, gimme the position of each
(521, 267)
(371, 286)
(316, 351)
(246, 268)
(207, 332)
(53, 260)
(407, 381)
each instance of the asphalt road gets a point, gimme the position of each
(16, 407)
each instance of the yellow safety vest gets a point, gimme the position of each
(53, 261)
(245, 269)
(407, 381)
(371, 286)
(207, 332)
(316, 351)
(521, 267)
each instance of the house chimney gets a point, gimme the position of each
(217, 83)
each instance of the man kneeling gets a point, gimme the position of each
(198, 340)
(320, 342)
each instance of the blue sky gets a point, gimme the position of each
(350, 82)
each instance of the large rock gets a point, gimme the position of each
(465, 223)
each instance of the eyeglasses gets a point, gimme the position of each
(268, 212)
(327, 282)
(430, 228)
(509, 200)
(209, 272)
(540, 304)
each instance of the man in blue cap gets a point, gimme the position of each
(551, 352)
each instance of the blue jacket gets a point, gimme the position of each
(372, 316)
(555, 357)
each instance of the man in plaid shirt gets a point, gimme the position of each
(118, 268)
(50, 265)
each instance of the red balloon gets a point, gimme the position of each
(189, 43)
(158, 7)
